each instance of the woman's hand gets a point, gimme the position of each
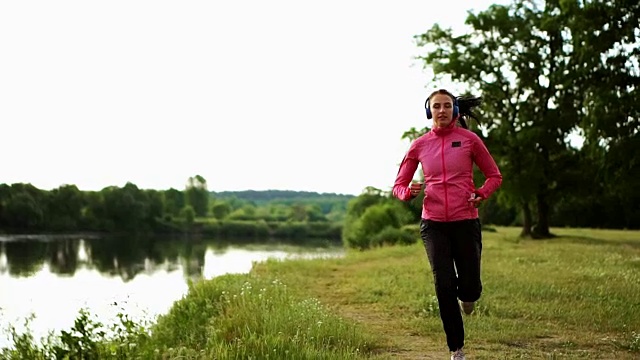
(415, 188)
(475, 199)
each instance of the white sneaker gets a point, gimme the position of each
(467, 307)
(458, 355)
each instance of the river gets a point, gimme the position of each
(52, 278)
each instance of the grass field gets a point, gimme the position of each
(573, 297)
(576, 296)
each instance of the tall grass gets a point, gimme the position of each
(248, 317)
(576, 296)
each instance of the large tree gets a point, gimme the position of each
(64, 207)
(606, 40)
(529, 62)
(197, 195)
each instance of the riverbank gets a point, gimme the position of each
(576, 296)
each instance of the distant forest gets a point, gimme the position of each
(326, 201)
(194, 210)
(264, 196)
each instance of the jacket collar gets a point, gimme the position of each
(445, 130)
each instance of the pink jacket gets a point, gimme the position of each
(447, 156)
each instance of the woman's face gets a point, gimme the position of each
(442, 109)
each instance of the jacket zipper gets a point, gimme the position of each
(444, 181)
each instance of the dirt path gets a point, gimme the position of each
(398, 341)
(397, 344)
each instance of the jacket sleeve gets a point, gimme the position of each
(407, 169)
(489, 168)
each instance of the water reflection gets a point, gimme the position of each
(121, 257)
(54, 279)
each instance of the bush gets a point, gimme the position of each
(361, 232)
(394, 236)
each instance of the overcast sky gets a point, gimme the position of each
(289, 95)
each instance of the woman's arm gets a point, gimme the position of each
(489, 168)
(408, 168)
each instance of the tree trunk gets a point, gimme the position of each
(526, 220)
(541, 230)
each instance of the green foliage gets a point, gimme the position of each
(135, 211)
(220, 209)
(174, 201)
(188, 215)
(186, 325)
(154, 200)
(285, 197)
(23, 206)
(371, 196)
(371, 218)
(394, 236)
(279, 202)
(87, 339)
(80, 342)
(93, 214)
(494, 212)
(64, 207)
(244, 230)
(246, 212)
(306, 230)
(24, 345)
(128, 208)
(197, 195)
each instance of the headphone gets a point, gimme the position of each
(456, 110)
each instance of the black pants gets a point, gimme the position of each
(454, 250)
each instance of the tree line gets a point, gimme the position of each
(129, 209)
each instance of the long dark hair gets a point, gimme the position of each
(465, 105)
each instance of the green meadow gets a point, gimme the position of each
(576, 296)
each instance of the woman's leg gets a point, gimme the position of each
(435, 237)
(467, 254)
